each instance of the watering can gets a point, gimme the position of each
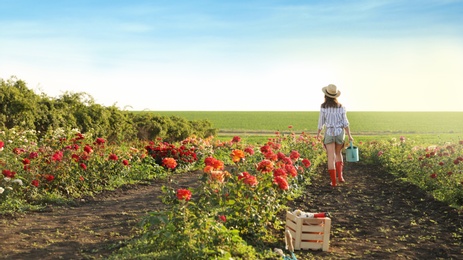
(352, 153)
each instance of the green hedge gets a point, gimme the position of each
(22, 108)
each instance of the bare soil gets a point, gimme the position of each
(374, 216)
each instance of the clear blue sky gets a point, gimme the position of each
(262, 55)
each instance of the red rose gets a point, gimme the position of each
(83, 166)
(294, 155)
(265, 166)
(282, 182)
(306, 163)
(35, 183)
(223, 218)
(183, 194)
(49, 177)
(88, 149)
(100, 141)
(169, 163)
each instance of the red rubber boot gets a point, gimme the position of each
(333, 177)
(339, 166)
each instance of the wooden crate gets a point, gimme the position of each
(309, 233)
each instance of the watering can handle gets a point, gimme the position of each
(351, 145)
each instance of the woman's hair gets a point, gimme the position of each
(330, 102)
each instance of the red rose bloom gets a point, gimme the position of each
(57, 156)
(223, 218)
(236, 139)
(184, 194)
(282, 182)
(306, 163)
(35, 183)
(249, 150)
(291, 170)
(8, 173)
(279, 172)
(169, 163)
(83, 166)
(33, 155)
(100, 141)
(265, 166)
(237, 155)
(294, 155)
(88, 149)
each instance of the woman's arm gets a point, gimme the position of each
(347, 129)
(321, 123)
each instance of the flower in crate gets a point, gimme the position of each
(113, 157)
(2, 144)
(1, 190)
(169, 163)
(183, 194)
(433, 176)
(265, 166)
(281, 182)
(237, 155)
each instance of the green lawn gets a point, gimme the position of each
(426, 126)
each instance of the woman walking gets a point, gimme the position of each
(334, 119)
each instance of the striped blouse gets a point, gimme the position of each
(334, 119)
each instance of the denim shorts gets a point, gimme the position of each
(339, 139)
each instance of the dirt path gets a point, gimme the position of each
(374, 217)
(89, 230)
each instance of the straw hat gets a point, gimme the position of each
(331, 91)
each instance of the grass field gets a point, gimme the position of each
(429, 126)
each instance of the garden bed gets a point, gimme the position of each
(374, 216)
